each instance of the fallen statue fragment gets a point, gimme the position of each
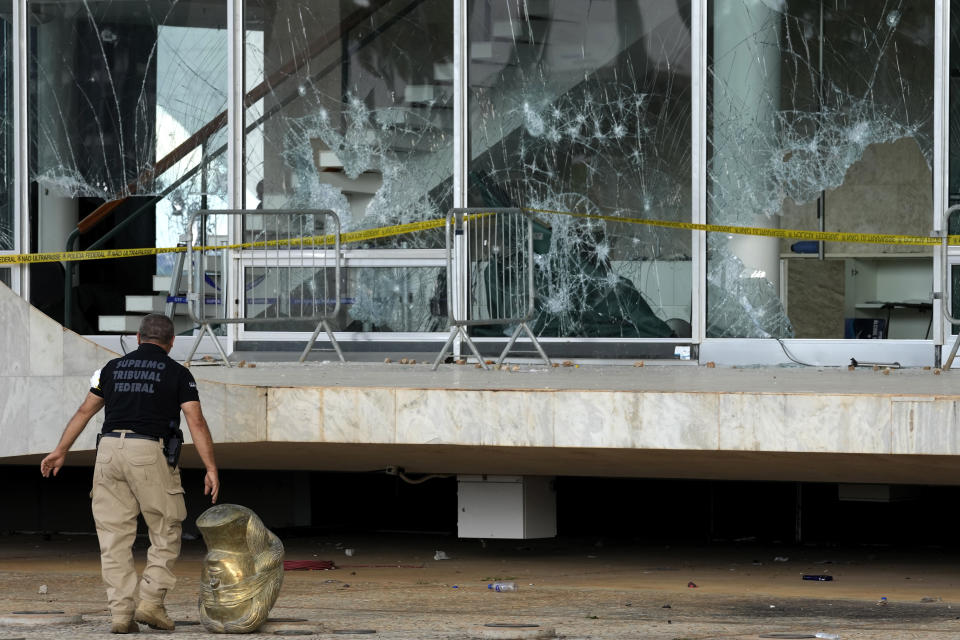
(242, 571)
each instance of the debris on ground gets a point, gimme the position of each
(308, 565)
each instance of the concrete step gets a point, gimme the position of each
(157, 304)
(130, 324)
(161, 284)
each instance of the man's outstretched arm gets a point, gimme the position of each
(203, 441)
(52, 463)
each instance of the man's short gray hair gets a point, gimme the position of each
(156, 328)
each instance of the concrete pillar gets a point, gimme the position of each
(746, 97)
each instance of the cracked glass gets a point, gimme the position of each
(585, 107)
(126, 121)
(821, 113)
(349, 108)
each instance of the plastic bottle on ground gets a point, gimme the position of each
(503, 586)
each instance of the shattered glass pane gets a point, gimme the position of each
(126, 117)
(189, 97)
(7, 239)
(349, 108)
(389, 299)
(813, 101)
(585, 107)
(117, 87)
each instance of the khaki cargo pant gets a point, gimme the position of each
(131, 476)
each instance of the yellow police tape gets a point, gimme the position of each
(413, 227)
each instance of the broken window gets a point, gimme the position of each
(350, 108)
(821, 117)
(585, 107)
(124, 100)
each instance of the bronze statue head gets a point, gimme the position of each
(242, 572)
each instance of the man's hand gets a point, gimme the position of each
(211, 486)
(204, 445)
(52, 463)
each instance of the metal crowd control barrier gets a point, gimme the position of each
(499, 278)
(946, 284)
(287, 278)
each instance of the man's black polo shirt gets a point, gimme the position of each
(143, 391)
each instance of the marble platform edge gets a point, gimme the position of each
(45, 372)
(904, 396)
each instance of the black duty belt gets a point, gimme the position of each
(130, 434)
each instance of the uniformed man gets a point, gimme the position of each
(144, 393)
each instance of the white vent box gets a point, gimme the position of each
(506, 507)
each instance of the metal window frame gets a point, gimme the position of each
(236, 88)
(698, 161)
(19, 274)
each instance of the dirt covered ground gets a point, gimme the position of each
(393, 585)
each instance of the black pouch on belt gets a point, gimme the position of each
(172, 444)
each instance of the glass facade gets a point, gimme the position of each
(588, 118)
(578, 107)
(821, 118)
(348, 107)
(126, 135)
